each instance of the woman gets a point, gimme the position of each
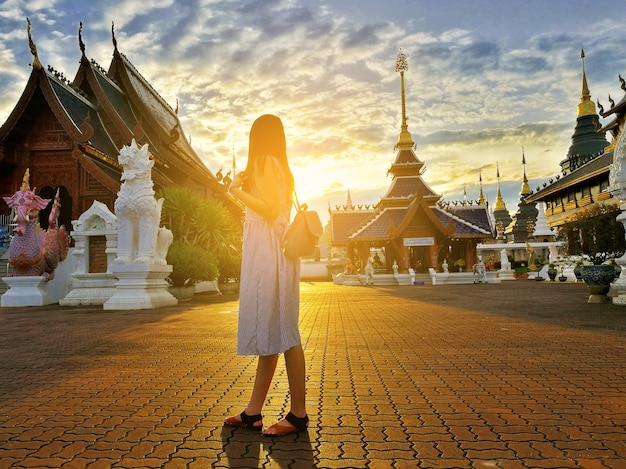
(269, 285)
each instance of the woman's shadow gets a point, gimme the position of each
(246, 448)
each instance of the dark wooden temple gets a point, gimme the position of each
(69, 133)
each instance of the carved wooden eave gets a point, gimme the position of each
(161, 118)
(41, 79)
(86, 73)
(94, 170)
(79, 132)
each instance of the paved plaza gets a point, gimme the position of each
(522, 374)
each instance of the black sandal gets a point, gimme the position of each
(247, 421)
(300, 424)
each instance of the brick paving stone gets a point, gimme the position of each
(450, 377)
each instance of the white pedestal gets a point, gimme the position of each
(617, 292)
(26, 291)
(506, 274)
(90, 289)
(140, 286)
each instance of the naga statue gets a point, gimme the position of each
(33, 251)
(140, 239)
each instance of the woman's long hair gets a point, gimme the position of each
(267, 138)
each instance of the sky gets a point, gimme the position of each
(488, 80)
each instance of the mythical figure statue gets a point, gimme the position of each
(33, 251)
(139, 240)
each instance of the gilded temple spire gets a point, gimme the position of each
(525, 187)
(586, 107)
(499, 201)
(481, 196)
(405, 141)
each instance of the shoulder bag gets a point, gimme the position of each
(303, 233)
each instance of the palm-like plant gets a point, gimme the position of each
(203, 223)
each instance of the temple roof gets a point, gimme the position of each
(463, 222)
(378, 228)
(102, 111)
(596, 167)
(410, 186)
(344, 223)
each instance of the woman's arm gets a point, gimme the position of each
(267, 203)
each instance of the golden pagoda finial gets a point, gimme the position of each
(499, 205)
(26, 181)
(33, 48)
(525, 187)
(481, 196)
(586, 107)
(405, 141)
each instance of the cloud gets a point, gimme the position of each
(474, 97)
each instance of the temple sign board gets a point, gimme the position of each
(427, 241)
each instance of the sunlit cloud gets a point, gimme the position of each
(475, 95)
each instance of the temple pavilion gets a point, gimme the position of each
(583, 179)
(69, 133)
(410, 224)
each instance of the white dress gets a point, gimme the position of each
(269, 290)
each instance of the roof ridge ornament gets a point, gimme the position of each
(81, 44)
(33, 47)
(113, 35)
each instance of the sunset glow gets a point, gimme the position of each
(485, 78)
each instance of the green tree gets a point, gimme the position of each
(595, 233)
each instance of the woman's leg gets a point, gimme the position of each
(262, 381)
(296, 374)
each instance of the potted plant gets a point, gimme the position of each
(460, 263)
(521, 272)
(577, 270)
(596, 235)
(552, 272)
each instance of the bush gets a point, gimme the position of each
(205, 224)
(191, 264)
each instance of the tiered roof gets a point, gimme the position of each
(408, 194)
(102, 111)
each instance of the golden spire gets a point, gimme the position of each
(405, 141)
(525, 187)
(26, 181)
(499, 205)
(586, 107)
(481, 197)
(33, 48)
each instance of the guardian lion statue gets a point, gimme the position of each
(140, 240)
